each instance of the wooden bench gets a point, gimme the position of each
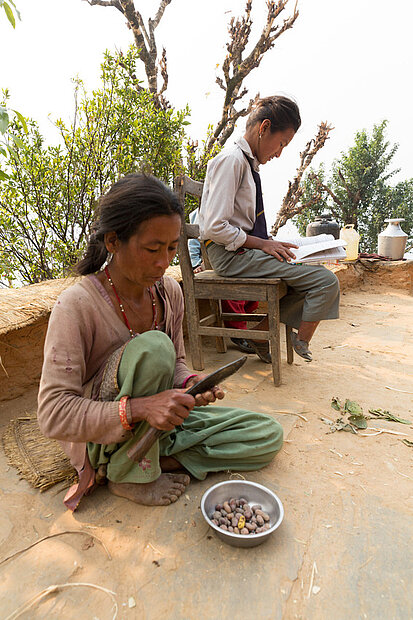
(208, 285)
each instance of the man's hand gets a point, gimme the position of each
(208, 397)
(200, 268)
(279, 249)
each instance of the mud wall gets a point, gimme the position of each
(21, 358)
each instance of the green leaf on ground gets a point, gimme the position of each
(336, 404)
(386, 415)
(359, 421)
(353, 408)
(356, 415)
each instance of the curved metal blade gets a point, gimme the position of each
(215, 377)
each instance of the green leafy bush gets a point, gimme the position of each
(359, 189)
(48, 198)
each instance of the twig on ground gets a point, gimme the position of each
(55, 588)
(380, 431)
(366, 562)
(236, 475)
(154, 548)
(388, 387)
(299, 415)
(52, 536)
(313, 572)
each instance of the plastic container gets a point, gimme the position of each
(392, 241)
(323, 224)
(352, 237)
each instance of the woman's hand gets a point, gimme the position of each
(163, 411)
(279, 249)
(208, 397)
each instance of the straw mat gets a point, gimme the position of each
(39, 460)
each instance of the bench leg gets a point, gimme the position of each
(290, 350)
(274, 330)
(195, 341)
(220, 343)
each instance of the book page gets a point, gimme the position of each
(329, 255)
(300, 241)
(307, 250)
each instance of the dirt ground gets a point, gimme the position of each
(344, 549)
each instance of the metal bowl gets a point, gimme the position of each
(254, 493)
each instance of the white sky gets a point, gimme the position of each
(348, 63)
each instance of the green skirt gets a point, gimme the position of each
(211, 439)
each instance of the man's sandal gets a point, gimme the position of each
(262, 349)
(243, 345)
(301, 347)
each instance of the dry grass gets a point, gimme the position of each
(22, 306)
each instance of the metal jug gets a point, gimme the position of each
(392, 241)
(323, 224)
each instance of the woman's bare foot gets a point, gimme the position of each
(163, 491)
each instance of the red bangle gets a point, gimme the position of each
(122, 413)
(187, 379)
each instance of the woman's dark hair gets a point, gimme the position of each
(129, 202)
(282, 112)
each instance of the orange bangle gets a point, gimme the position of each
(122, 413)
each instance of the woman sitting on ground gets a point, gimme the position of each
(232, 224)
(114, 363)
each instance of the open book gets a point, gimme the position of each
(318, 249)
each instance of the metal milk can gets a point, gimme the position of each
(392, 241)
(323, 224)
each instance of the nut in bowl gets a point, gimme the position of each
(262, 506)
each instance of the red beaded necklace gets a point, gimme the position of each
(122, 309)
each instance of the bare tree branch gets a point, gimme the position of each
(354, 197)
(164, 71)
(114, 3)
(235, 68)
(322, 187)
(144, 37)
(158, 16)
(289, 206)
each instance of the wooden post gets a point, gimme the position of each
(274, 329)
(290, 350)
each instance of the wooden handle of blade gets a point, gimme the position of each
(145, 443)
